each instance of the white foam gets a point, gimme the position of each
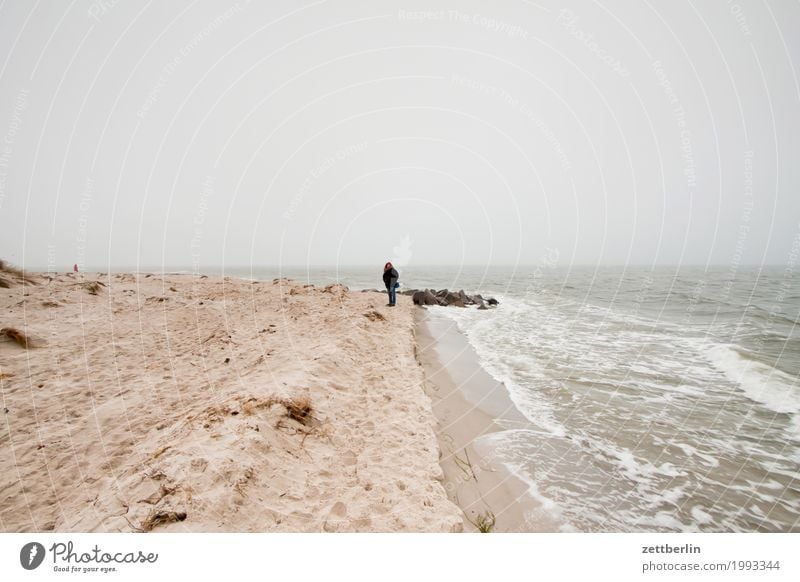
(701, 516)
(535, 348)
(638, 369)
(772, 388)
(664, 520)
(672, 496)
(685, 389)
(491, 343)
(503, 443)
(709, 460)
(794, 428)
(628, 463)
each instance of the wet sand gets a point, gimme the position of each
(469, 405)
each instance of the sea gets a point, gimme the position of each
(659, 399)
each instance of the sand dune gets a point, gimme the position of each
(160, 403)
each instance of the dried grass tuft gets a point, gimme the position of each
(375, 316)
(252, 405)
(485, 522)
(299, 408)
(157, 517)
(17, 336)
(161, 450)
(216, 412)
(15, 273)
(93, 287)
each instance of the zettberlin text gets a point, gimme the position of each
(666, 549)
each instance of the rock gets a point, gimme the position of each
(424, 298)
(454, 299)
(446, 298)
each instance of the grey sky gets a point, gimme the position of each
(202, 133)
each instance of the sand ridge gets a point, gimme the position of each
(160, 402)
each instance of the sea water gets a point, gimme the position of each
(659, 399)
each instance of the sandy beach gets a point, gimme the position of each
(175, 403)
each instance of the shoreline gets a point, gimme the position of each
(208, 351)
(469, 404)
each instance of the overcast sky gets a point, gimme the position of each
(332, 132)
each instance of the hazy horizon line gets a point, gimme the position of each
(200, 269)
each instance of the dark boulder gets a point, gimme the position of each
(453, 299)
(424, 298)
(447, 298)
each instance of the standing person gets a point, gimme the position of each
(390, 277)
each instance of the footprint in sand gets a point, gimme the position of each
(335, 516)
(199, 465)
(338, 510)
